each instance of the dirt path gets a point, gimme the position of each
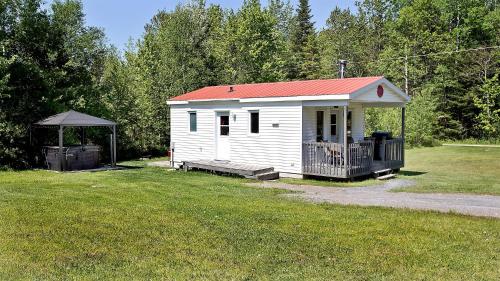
(475, 205)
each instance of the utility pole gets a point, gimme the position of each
(406, 71)
(343, 65)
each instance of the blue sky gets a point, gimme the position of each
(124, 19)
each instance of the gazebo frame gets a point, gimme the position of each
(74, 119)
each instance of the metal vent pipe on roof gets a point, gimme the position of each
(343, 66)
(231, 89)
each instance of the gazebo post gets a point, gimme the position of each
(61, 144)
(82, 136)
(114, 146)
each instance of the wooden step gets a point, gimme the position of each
(382, 171)
(386, 177)
(263, 171)
(266, 176)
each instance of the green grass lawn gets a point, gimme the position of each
(454, 169)
(438, 169)
(142, 163)
(153, 224)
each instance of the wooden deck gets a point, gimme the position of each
(228, 167)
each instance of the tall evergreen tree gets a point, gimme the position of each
(304, 44)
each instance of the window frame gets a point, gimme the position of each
(250, 113)
(190, 127)
(322, 123)
(334, 133)
(219, 130)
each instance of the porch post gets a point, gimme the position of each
(346, 158)
(61, 143)
(403, 112)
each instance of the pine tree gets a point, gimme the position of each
(303, 42)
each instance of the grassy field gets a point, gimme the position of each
(454, 169)
(439, 169)
(153, 224)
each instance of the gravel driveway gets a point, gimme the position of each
(475, 205)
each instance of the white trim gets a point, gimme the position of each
(270, 99)
(381, 104)
(297, 98)
(291, 175)
(174, 102)
(384, 81)
(325, 103)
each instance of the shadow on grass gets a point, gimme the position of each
(130, 167)
(411, 173)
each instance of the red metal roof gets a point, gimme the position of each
(280, 89)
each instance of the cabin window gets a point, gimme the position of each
(254, 122)
(193, 122)
(333, 126)
(224, 125)
(319, 125)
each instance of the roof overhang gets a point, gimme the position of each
(74, 119)
(349, 97)
(269, 99)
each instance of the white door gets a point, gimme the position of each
(223, 146)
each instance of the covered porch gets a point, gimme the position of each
(335, 143)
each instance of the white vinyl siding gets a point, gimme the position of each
(370, 96)
(189, 146)
(358, 121)
(278, 143)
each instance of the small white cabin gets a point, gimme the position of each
(314, 127)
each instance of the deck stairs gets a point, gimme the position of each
(383, 174)
(228, 167)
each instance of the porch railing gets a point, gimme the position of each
(394, 153)
(328, 159)
(323, 159)
(360, 158)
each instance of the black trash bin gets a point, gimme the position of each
(379, 148)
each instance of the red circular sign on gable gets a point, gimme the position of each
(380, 91)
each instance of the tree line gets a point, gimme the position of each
(443, 50)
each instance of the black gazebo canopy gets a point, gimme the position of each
(76, 119)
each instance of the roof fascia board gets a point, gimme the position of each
(326, 103)
(298, 98)
(268, 99)
(382, 104)
(174, 102)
